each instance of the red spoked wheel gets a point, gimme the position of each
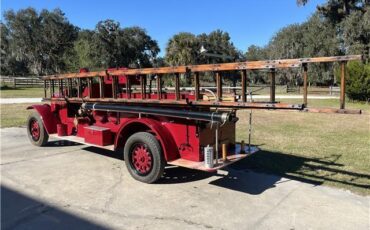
(141, 158)
(36, 130)
(144, 157)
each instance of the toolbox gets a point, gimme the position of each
(98, 135)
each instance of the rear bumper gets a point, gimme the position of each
(233, 156)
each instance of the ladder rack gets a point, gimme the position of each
(126, 94)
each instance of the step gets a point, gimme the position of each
(80, 140)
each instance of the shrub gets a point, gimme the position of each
(357, 80)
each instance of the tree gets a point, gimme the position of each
(217, 42)
(287, 43)
(58, 36)
(4, 49)
(319, 40)
(40, 40)
(81, 56)
(351, 21)
(142, 49)
(338, 10)
(255, 53)
(182, 49)
(357, 80)
(113, 46)
(356, 32)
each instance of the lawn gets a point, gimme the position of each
(14, 115)
(8, 92)
(329, 149)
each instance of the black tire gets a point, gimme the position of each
(42, 138)
(153, 150)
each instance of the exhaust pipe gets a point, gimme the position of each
(220, 117)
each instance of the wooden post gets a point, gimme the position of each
(219, 86)
(272, 89)
(114, 87)
(305, 84)
(196, 82)
(45, 89)
(159, 87)
(143, 85)
(67, 88)
(52, 89)
(244, 85)
(128, 87)
(61, 91)
(101, 87)
(89, 86)
(70, 88)
(177, 86)
(342, 84)
(79, 88)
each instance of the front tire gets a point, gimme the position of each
(144, 158)
(36, 130)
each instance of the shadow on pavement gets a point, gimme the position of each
(247, 182)
(245, 175)
(61, 143)
(105, 152)
(21, 211)
(176, 175)
(263, 170)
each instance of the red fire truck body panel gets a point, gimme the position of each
(180, 138)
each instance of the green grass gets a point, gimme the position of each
(329, 149)
(7, 92)
(14, 115)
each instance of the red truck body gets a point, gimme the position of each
(182, 140)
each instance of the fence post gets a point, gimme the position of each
(342, 84)
(305, 84)
(177, 86)
(15, 82)
(272, 87)
(244, 85)
(219, 86)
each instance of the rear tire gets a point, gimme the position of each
(144, 158)
(36, 130)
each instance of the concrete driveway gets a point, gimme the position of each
(77, 187)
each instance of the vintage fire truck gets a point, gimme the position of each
(120, 110)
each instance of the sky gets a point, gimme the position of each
(247, 21)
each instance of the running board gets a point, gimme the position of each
(81, 140)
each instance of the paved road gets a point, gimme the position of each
(19, 100)
(76, 187)
(35, 100)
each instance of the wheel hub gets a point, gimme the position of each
(35, 130)
(141, 159)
